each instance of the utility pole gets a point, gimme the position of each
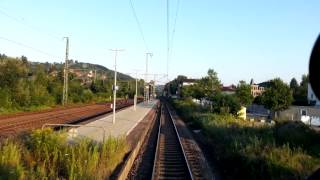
(115, 84)
(168, 40)
(146, 91)
(136, 94)
(154, 86)
(65, 80)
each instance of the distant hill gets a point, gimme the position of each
(75, 65)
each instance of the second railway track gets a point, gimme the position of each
(13, 125)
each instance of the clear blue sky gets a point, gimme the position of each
(239, 39)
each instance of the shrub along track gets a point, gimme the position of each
(173, 152)
(13, 125)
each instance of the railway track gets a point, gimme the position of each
(13, 125)
(170, 160)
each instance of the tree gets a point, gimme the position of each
(209, 85)
(258, 100)
(224, 103)
(24, 60)
(304, 80)
(294, 84)
(251, 82)
(243, 93)
(187, 91)
(213, 81)
(278, 96)
(300, 91)
(174, 84)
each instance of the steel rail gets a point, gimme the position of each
(156, 157)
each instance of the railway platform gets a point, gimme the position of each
(126, 120)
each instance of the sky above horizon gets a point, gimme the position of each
(239, 40)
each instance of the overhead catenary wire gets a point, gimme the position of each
(29, 47)
(168, 39)
(139, 26)
(174, 25)
(32, 27)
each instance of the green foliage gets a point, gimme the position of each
(243, 93)
(297, 134)
(204, 88)
(26, 86)
(10, 160)
(209, 88)
(209, 85)
(245, 150)
(174, 84)
(45, 154)
(300, 91)
(188, 91)
(258, 100)
(224, 103)
(277, 97)
(294, 84)
(5, 99)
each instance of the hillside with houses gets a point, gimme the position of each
(27, 86)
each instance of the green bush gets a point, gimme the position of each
(10, 160)
(27, 86)
(45, 154)
(244, 150)
(297, 134)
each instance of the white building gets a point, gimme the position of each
(312, 98)
(188, 82)
(307, 114)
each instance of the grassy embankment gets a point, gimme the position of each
(245, 150)
(45, 154)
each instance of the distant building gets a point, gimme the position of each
(312, 98)
(306, 114)
(258, 89)
(228, 89)
(188, 82)
(258, 112)
(54, 73)
(86, 76)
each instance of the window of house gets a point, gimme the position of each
(303, 112)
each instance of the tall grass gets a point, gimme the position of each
(45, 154)
(244, 150)
(10, 161)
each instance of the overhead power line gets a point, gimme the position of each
(139, 25)
(32, 27)
(29, 47)
(174, 25)
(168, 39)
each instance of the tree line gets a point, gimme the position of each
(278, 95)
(26, 86)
